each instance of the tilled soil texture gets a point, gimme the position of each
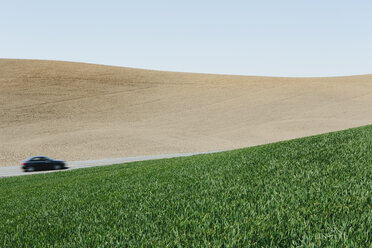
(77, 111)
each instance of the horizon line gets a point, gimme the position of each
(188, 72)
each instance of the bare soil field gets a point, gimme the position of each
(76, 111)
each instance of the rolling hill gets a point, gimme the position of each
(307, 192)
(77, 111)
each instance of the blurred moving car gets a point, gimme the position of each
(42, 163)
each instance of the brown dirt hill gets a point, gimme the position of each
(77, 111)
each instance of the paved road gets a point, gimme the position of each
(10, 171)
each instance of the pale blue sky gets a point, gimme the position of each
(261, 37)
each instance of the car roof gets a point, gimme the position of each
(37, 157)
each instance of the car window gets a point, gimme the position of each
(35, 159)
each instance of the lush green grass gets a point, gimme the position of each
(307, 192)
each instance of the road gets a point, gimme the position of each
(10, 171)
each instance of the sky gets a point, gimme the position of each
(298, 38)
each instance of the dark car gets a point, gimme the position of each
(42, 163)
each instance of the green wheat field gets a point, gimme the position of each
(308, 192)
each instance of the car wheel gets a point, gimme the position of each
(57, 167)
(30, 169)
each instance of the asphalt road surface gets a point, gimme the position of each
(10, 171)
